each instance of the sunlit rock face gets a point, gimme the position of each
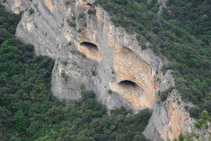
(91, 53)
(135, 79)
(49, 4)
(90, 50)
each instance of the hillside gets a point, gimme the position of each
(29, 111)
(181, 34)
(105, 70)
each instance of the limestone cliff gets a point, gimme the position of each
(91, 53)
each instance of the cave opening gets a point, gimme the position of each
(128, 84)
(90, 46)
(91, 50)
(89, 4)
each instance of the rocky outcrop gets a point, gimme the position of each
(91, 53)
(135, 79)
(162, 4)
(169, 118)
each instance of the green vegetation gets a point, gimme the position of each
(80, 16)
(71, 23)
(94, 73)
(68, 2)
(110, 91)
(203, 121)
(64, 76)
(91, 12)
(28, 111)
(164, 95)
(182, 34)
(70, 43)
(184, 138)
(79, 30)
(31, 11)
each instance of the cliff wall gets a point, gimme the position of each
(91, 53)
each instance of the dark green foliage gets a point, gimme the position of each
(181, 33)
(73, 18)
(194, 111)
(31, 11)
(28, 111)
(64, 76)
(91, 12)
(94, 73)
(67, 3)
(110, 91)
(7, 22)
(181, 137)
(79, 30)
(71, 23)
(193, 16)
(164, 95)
(80, 16)
(203, 121)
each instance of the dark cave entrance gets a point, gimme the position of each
(90, 46)
(128, 84)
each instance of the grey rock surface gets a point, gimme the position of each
(48, 29)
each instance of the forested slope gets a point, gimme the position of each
(28, 111)
(181, 33)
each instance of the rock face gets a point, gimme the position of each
(169, 118)
(162, 5)
(91, 53)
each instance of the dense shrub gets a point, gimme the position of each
(164, 95)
